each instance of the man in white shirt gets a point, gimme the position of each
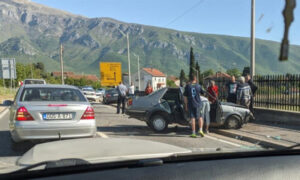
(122, 91)
(131, 90)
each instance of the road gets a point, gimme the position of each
(112, 125)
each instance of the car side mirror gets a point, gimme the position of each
(8, 103)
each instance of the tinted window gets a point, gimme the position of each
(51, 94)
(34, 82)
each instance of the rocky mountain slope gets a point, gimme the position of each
(32, 32)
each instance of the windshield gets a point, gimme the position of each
(51, 94)
(207, 76)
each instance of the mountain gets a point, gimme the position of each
(31, 32)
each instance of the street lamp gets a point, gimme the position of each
(128, 55)
(139, 75)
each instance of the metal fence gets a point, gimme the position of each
(278, 92)
(274, 91)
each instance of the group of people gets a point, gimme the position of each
(241, 92)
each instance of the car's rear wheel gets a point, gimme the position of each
(158, 123)
(233, 122)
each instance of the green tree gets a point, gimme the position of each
(192, 64)
(234, 72)
(171, 83)
(208, 72)
(199, 73)
(246, 70)
(182, 77)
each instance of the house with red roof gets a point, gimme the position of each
(156, 78)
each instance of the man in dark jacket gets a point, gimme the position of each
(253, 90)
(231, 90)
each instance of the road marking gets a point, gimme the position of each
(224, 141)
(4, 113)
(102, 135)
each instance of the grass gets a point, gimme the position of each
(7, 94)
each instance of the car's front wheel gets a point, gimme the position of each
(158, 123)
(233, 122)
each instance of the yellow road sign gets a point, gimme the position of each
(110, 73)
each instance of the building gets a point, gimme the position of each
(153, 76)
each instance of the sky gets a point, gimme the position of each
(227, 17)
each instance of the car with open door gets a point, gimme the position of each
(166, 106)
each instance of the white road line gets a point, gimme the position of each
(102, 135)
(4, 113)
(224, 141)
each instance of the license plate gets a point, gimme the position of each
(116, 94)
(57, 116)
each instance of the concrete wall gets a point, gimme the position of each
(277, 116)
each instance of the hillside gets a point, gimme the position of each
(32, 32)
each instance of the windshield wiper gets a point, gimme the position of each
(292, 147)
(55, 164)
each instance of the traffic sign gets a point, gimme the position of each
(110, 73)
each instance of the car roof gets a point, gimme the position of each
(34, 79)
(49, 86)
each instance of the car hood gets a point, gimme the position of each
(99, 150)
(232, 104)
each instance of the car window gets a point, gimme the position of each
(51, 94)
(34, 82)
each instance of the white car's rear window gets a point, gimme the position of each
(51, 94)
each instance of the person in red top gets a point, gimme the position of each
(148, 89)
(213, 91)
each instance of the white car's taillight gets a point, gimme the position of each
(23, 115)
(89, 113)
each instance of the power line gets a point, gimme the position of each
(185, 12)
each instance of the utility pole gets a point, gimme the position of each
(139, 75)
(62, 64)
(252, 64)
(128, 55)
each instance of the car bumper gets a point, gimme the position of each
(84, 128)
(92, 97)
(141, 115)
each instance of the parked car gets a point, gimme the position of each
(100, 92)
(50, 112)
(165, 106)
(110, 96)
(90, 94)
(34, 81)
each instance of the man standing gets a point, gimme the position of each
(213, 91)
(205, 112)
(231, 90)
(122, 90)
(253, 90)
(193, 104)
(244, 93)
(131, 90)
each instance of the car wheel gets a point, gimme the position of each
(233, 122)
(158, 123)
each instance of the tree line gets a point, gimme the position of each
(194, 69)
(37, 71)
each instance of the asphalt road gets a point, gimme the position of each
(110, 124)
